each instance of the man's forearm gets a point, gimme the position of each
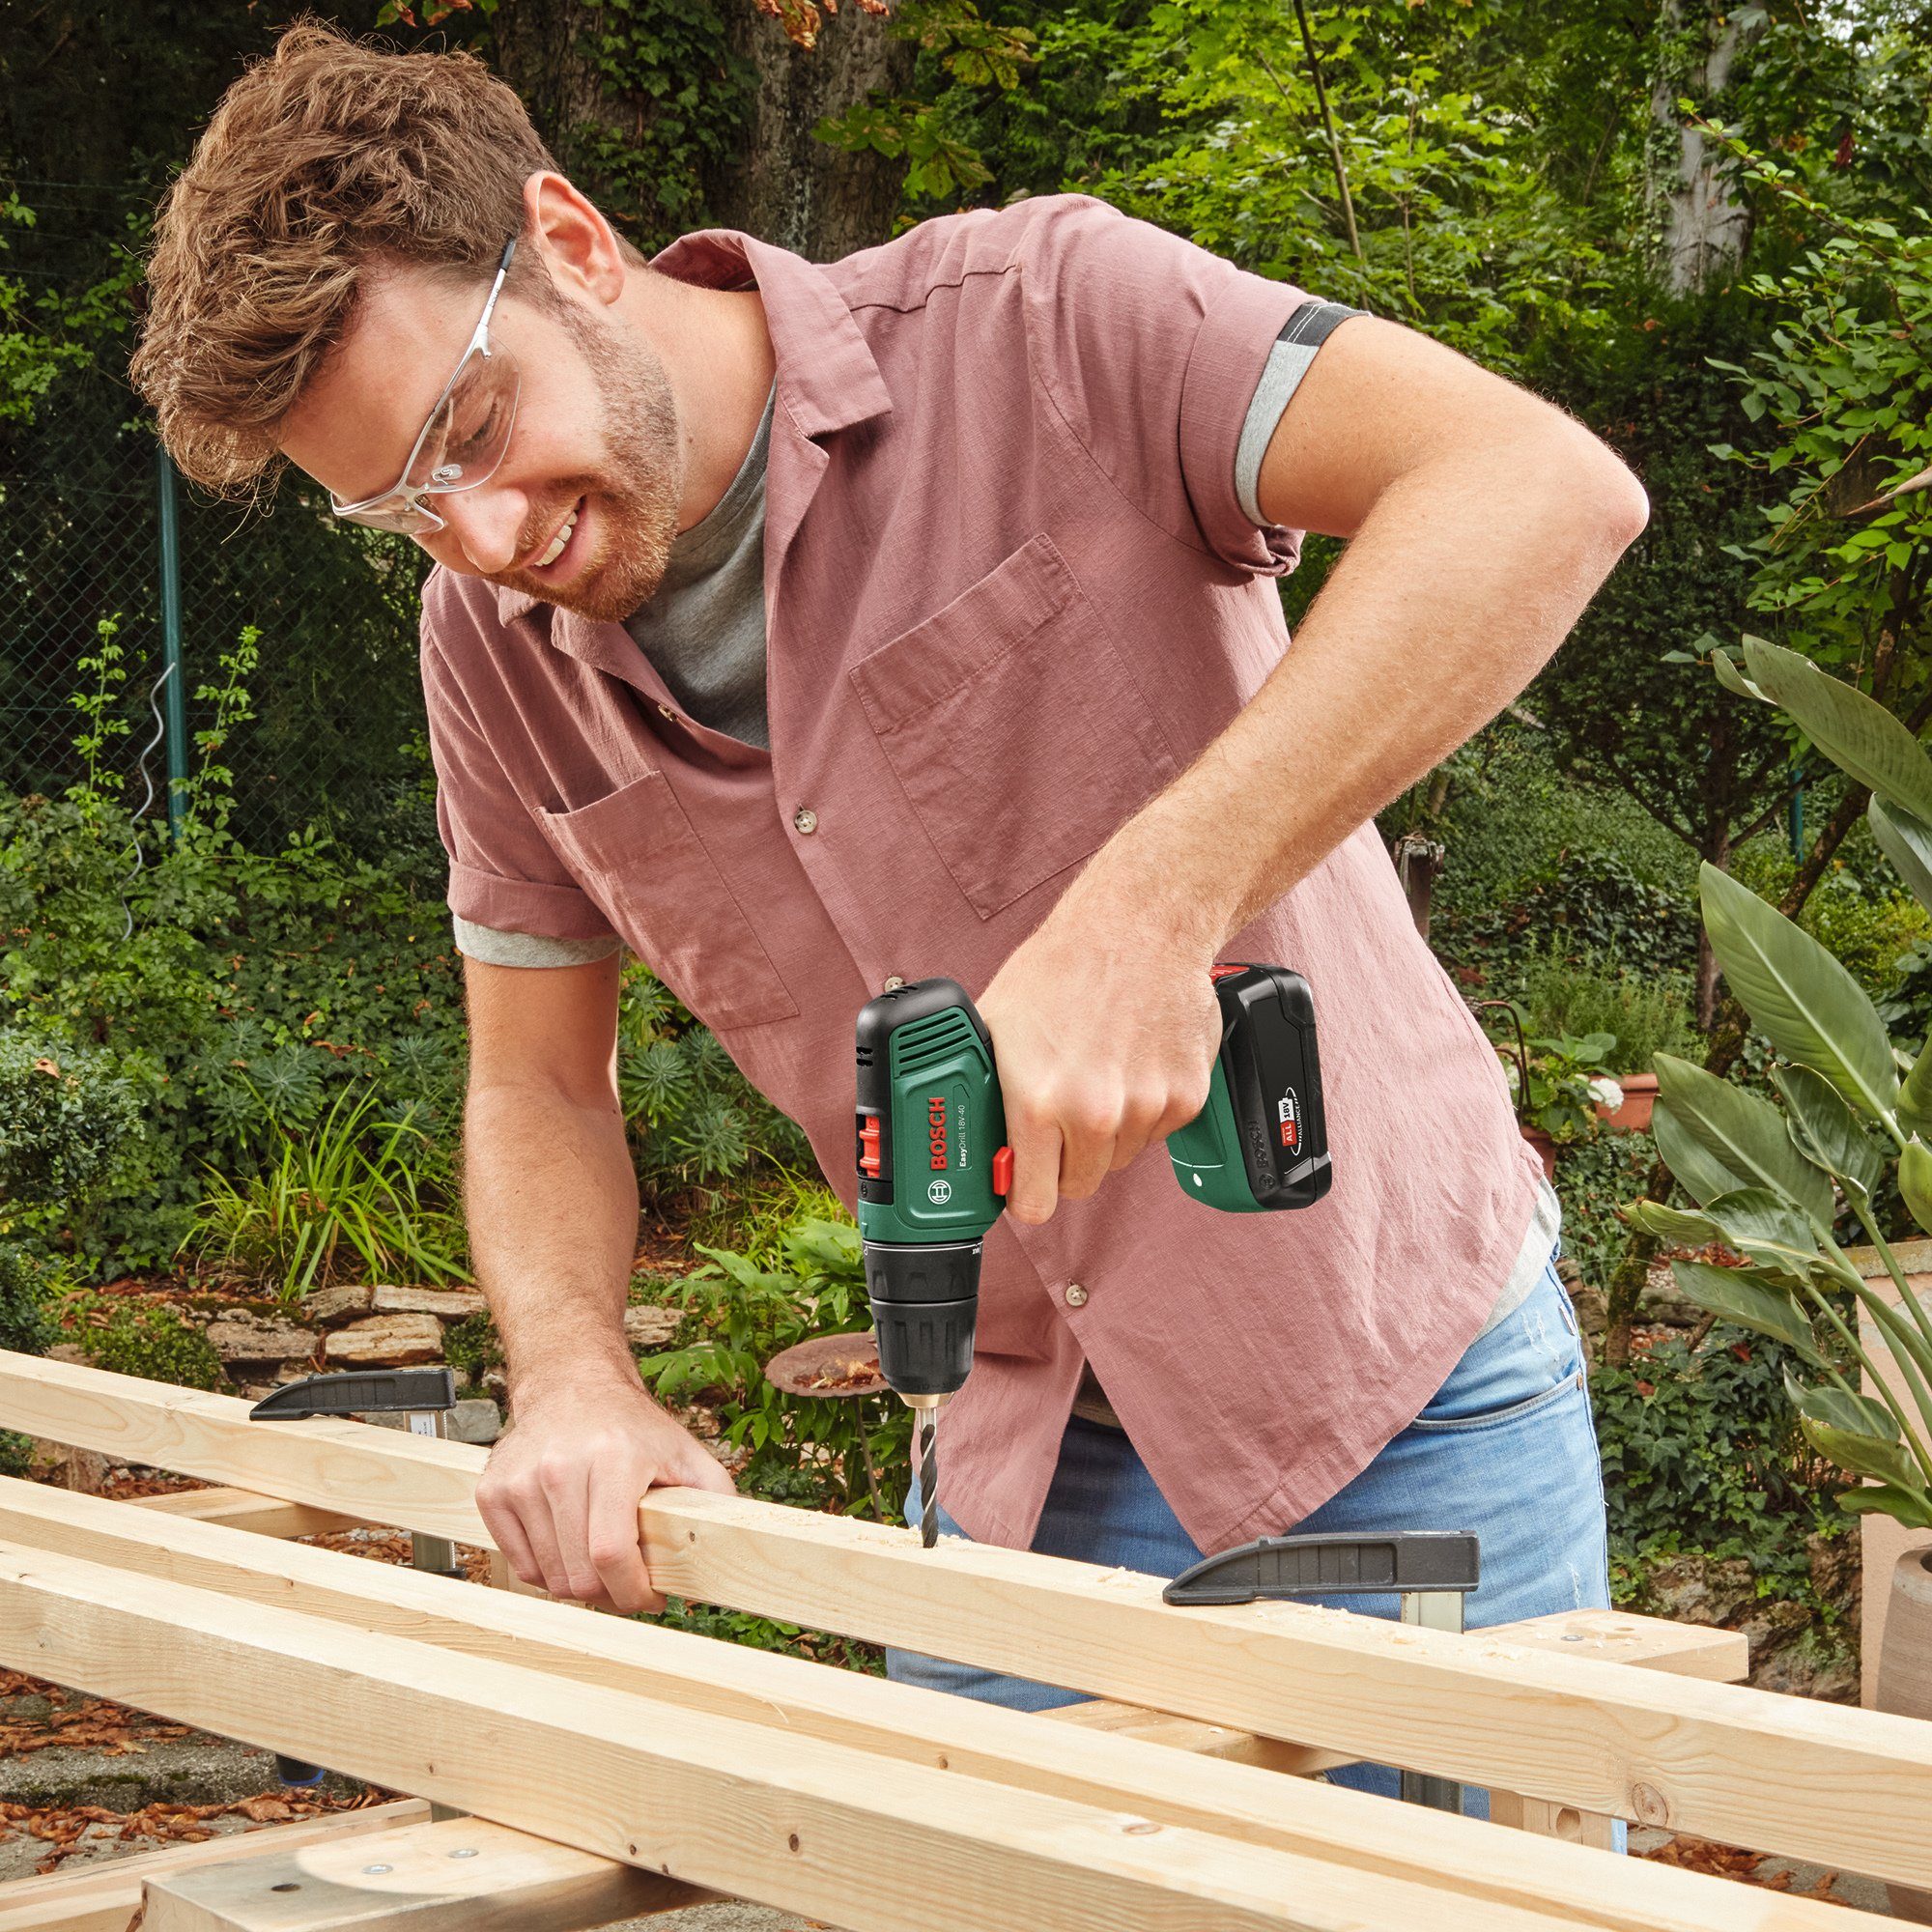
(1461, 582)
(552, 1208)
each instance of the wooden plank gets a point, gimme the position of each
(922, 1727)
(458, 1875)
(1617, 1636)
(1161, 1728)
(102, 1897)
(1553, 1821)
(749, 1810)
(1716, 1759)
(243, 1509)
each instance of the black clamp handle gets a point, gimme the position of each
(1278, 1568)
(360, 1392)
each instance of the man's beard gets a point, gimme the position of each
(634, 501)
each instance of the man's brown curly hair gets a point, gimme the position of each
(325, 158)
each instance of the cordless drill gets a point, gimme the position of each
(934, 1166)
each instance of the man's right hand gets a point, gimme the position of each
(561, 1489)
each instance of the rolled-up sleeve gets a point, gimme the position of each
(1150, 349)
(504, 873)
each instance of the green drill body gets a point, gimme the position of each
(934, 1166)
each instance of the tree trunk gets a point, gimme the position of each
(547, 50)
(774, 178)
(1702, 226)
(784, 186)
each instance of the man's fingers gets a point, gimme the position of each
(1088, 1126)
(610, 1531)
(499, 1518)
(1036, 1145)
(566, 1485)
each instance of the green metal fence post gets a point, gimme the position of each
(174, 698)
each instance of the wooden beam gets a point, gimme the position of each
(749, 1810)
(1103, 1716)
(1125, 1773)
(1689, 1650)
(104, 1897)
(458, 1875)
(1617, 1636)
(1716, 1759)
(244, 1509)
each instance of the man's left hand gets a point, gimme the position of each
(1105, 1033)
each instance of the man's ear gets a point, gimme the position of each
(575, 244)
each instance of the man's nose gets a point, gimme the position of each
(488, 525)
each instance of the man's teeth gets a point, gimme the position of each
(563, 537)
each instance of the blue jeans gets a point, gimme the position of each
(1506, 1447)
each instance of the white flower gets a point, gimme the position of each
(1606, 1093)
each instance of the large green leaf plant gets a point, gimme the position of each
(1767, 1180)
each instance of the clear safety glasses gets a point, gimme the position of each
(464, 439)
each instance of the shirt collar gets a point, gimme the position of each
(828, 378)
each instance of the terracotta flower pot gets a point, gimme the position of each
(1640, 1097)
(1546, 1149)
(1905, 1678)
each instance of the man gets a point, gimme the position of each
(809, 629)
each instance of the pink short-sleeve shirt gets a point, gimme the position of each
(1011, 594)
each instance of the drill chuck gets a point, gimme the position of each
(924, 1301)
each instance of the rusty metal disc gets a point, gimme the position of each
(829, 1365)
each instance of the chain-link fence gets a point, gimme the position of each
(335, 738)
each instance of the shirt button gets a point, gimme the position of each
(805, 819)
(893, 982)
(1076, 1295)
(664, 711)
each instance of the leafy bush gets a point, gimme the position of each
(67, 1121)
(1594, 1179)
(693, 1117)
(472, 1346)
(1589, 902)
(1643, 1015)
(1855, 911)
(26, 1285)
(749, 1308)
(344, 1196)
(151, 1341)
(1701, 1451)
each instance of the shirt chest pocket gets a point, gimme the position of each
(643, 863)
(1015, 727)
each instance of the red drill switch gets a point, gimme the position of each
(1003, 1172)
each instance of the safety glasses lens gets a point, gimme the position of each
(469, 434)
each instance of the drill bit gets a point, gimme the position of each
(925, 1421)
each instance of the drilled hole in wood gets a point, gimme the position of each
(1570, 1825)
(287, 1884)
(792, 1842)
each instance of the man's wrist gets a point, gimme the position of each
(1152, 879)
(571, 1385)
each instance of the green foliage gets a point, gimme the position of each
(1767, 1186)
(693, 1119)
(45, 335)
(472, 1346)
(27, 1285)
(355, 1196)
(960, 53)
(769, 1634)
(152, 1341)
(1840, 552)
(1700, 1451)
(1594, 1179)
(1566, 1082)
(1642, 1014)
(750, 1307)
(1863, 921)
(230, 994)
(686, 94)
(67, 1122)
